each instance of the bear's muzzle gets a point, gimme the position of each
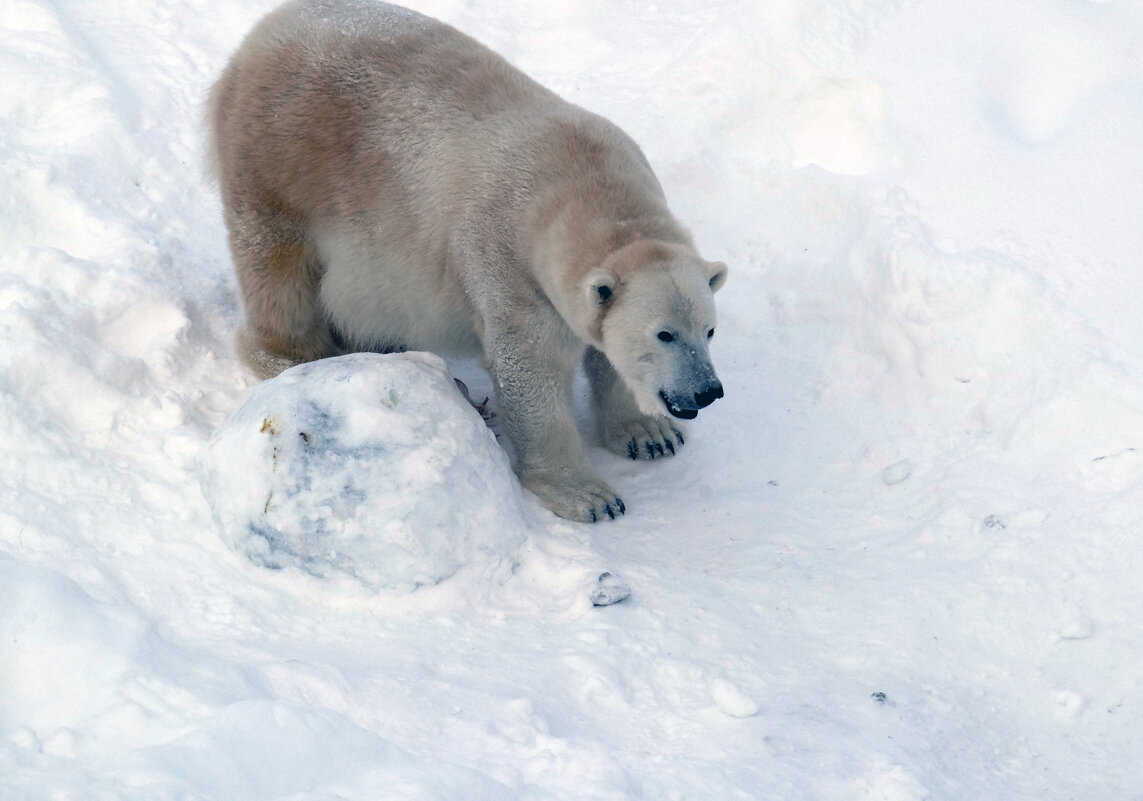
(686, 405)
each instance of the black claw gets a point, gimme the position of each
(594, 519)
(679, 437)
(622, 508)
(659, 449)
(650, 450)
(610, 513)
(633, 449)
(670, 447)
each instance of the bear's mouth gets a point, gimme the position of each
(677, 411)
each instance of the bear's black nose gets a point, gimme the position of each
(708, 395)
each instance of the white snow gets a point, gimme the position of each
(899, 561)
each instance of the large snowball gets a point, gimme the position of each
(366, 465)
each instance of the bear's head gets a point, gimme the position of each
(655, 318)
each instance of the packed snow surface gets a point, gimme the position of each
(899, 561)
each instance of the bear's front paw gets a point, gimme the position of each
(587, 502)
(644, 437)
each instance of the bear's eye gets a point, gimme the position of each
(710, 333)
(666, 336)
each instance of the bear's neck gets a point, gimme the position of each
(570, 237)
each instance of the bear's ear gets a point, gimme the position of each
(716, 274)
(600, 286)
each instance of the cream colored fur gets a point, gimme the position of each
(390, 183)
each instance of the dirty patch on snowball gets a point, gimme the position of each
(368, 466)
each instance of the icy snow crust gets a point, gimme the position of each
(899, 561)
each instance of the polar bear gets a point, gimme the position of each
(388, 183)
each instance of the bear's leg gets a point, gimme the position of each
(534, 389)
(280, 278)
(624, 428)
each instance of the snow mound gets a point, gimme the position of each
(368, 466)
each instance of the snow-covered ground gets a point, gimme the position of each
(899, 561)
